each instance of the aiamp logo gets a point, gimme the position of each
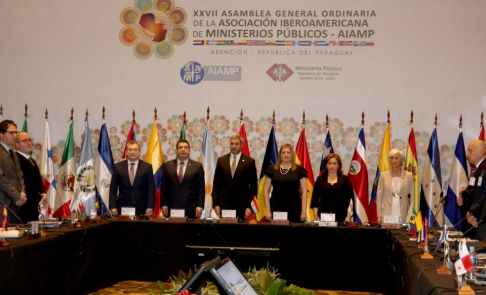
(279, 72)
(192, 73)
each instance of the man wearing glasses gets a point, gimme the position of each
(12, 189)
(34, 187)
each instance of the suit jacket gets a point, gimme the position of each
(188, 194)
(141, 195)
(33, 188)
(11, 181)
(474, 201)
(385, 190)
(236, 192)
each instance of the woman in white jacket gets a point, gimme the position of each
(396, 190)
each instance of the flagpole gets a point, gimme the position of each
(241, 117)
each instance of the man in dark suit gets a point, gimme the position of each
(34, 187)
(471, 198)
(183, 185)
(12, 189)
(235, 181)
(132, 184)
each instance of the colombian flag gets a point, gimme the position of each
(154, 156)
(5, 220)
(383, 165)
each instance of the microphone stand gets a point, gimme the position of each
(442, 201)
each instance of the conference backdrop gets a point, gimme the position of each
(324, 57)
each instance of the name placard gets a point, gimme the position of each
(128, 211)
(391, 219)
(280, 215)
(177, 213)
(328, 217)
(228, 213)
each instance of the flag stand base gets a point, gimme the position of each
(43, 234)
(4, 243)
(443, 270)
(421, 245)
(75, 225)
(352, 224)
(426, 255)
(466, 290)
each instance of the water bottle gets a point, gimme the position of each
(472, 254)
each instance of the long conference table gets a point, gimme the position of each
(82, 260)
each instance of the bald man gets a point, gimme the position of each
(34, 186)
(471, 198)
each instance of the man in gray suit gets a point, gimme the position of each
(183, 184)
(12, 189)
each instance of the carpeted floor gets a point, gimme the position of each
(139, 288)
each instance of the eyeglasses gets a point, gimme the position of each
(12, 132)
(26, 140)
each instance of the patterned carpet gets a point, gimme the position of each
(143, 288)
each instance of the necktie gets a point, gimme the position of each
(12, 156)
(32, 161)
(233, 166)
(132, 173)
(181, 171)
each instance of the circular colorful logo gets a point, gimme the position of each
(153, 27)
(192, 73)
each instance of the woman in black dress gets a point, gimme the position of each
(333, 191)
(289, 183)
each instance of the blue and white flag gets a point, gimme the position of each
(84, 187)
(103, 170)
(208, 160)
(430, 195)
(457, 182)
(328, 149)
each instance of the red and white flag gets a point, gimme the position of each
(358, 176)
(464, 264)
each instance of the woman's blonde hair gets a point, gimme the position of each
(279, 160)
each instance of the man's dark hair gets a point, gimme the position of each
(183, 141)
(5, 124)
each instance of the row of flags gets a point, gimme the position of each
(86, 187)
